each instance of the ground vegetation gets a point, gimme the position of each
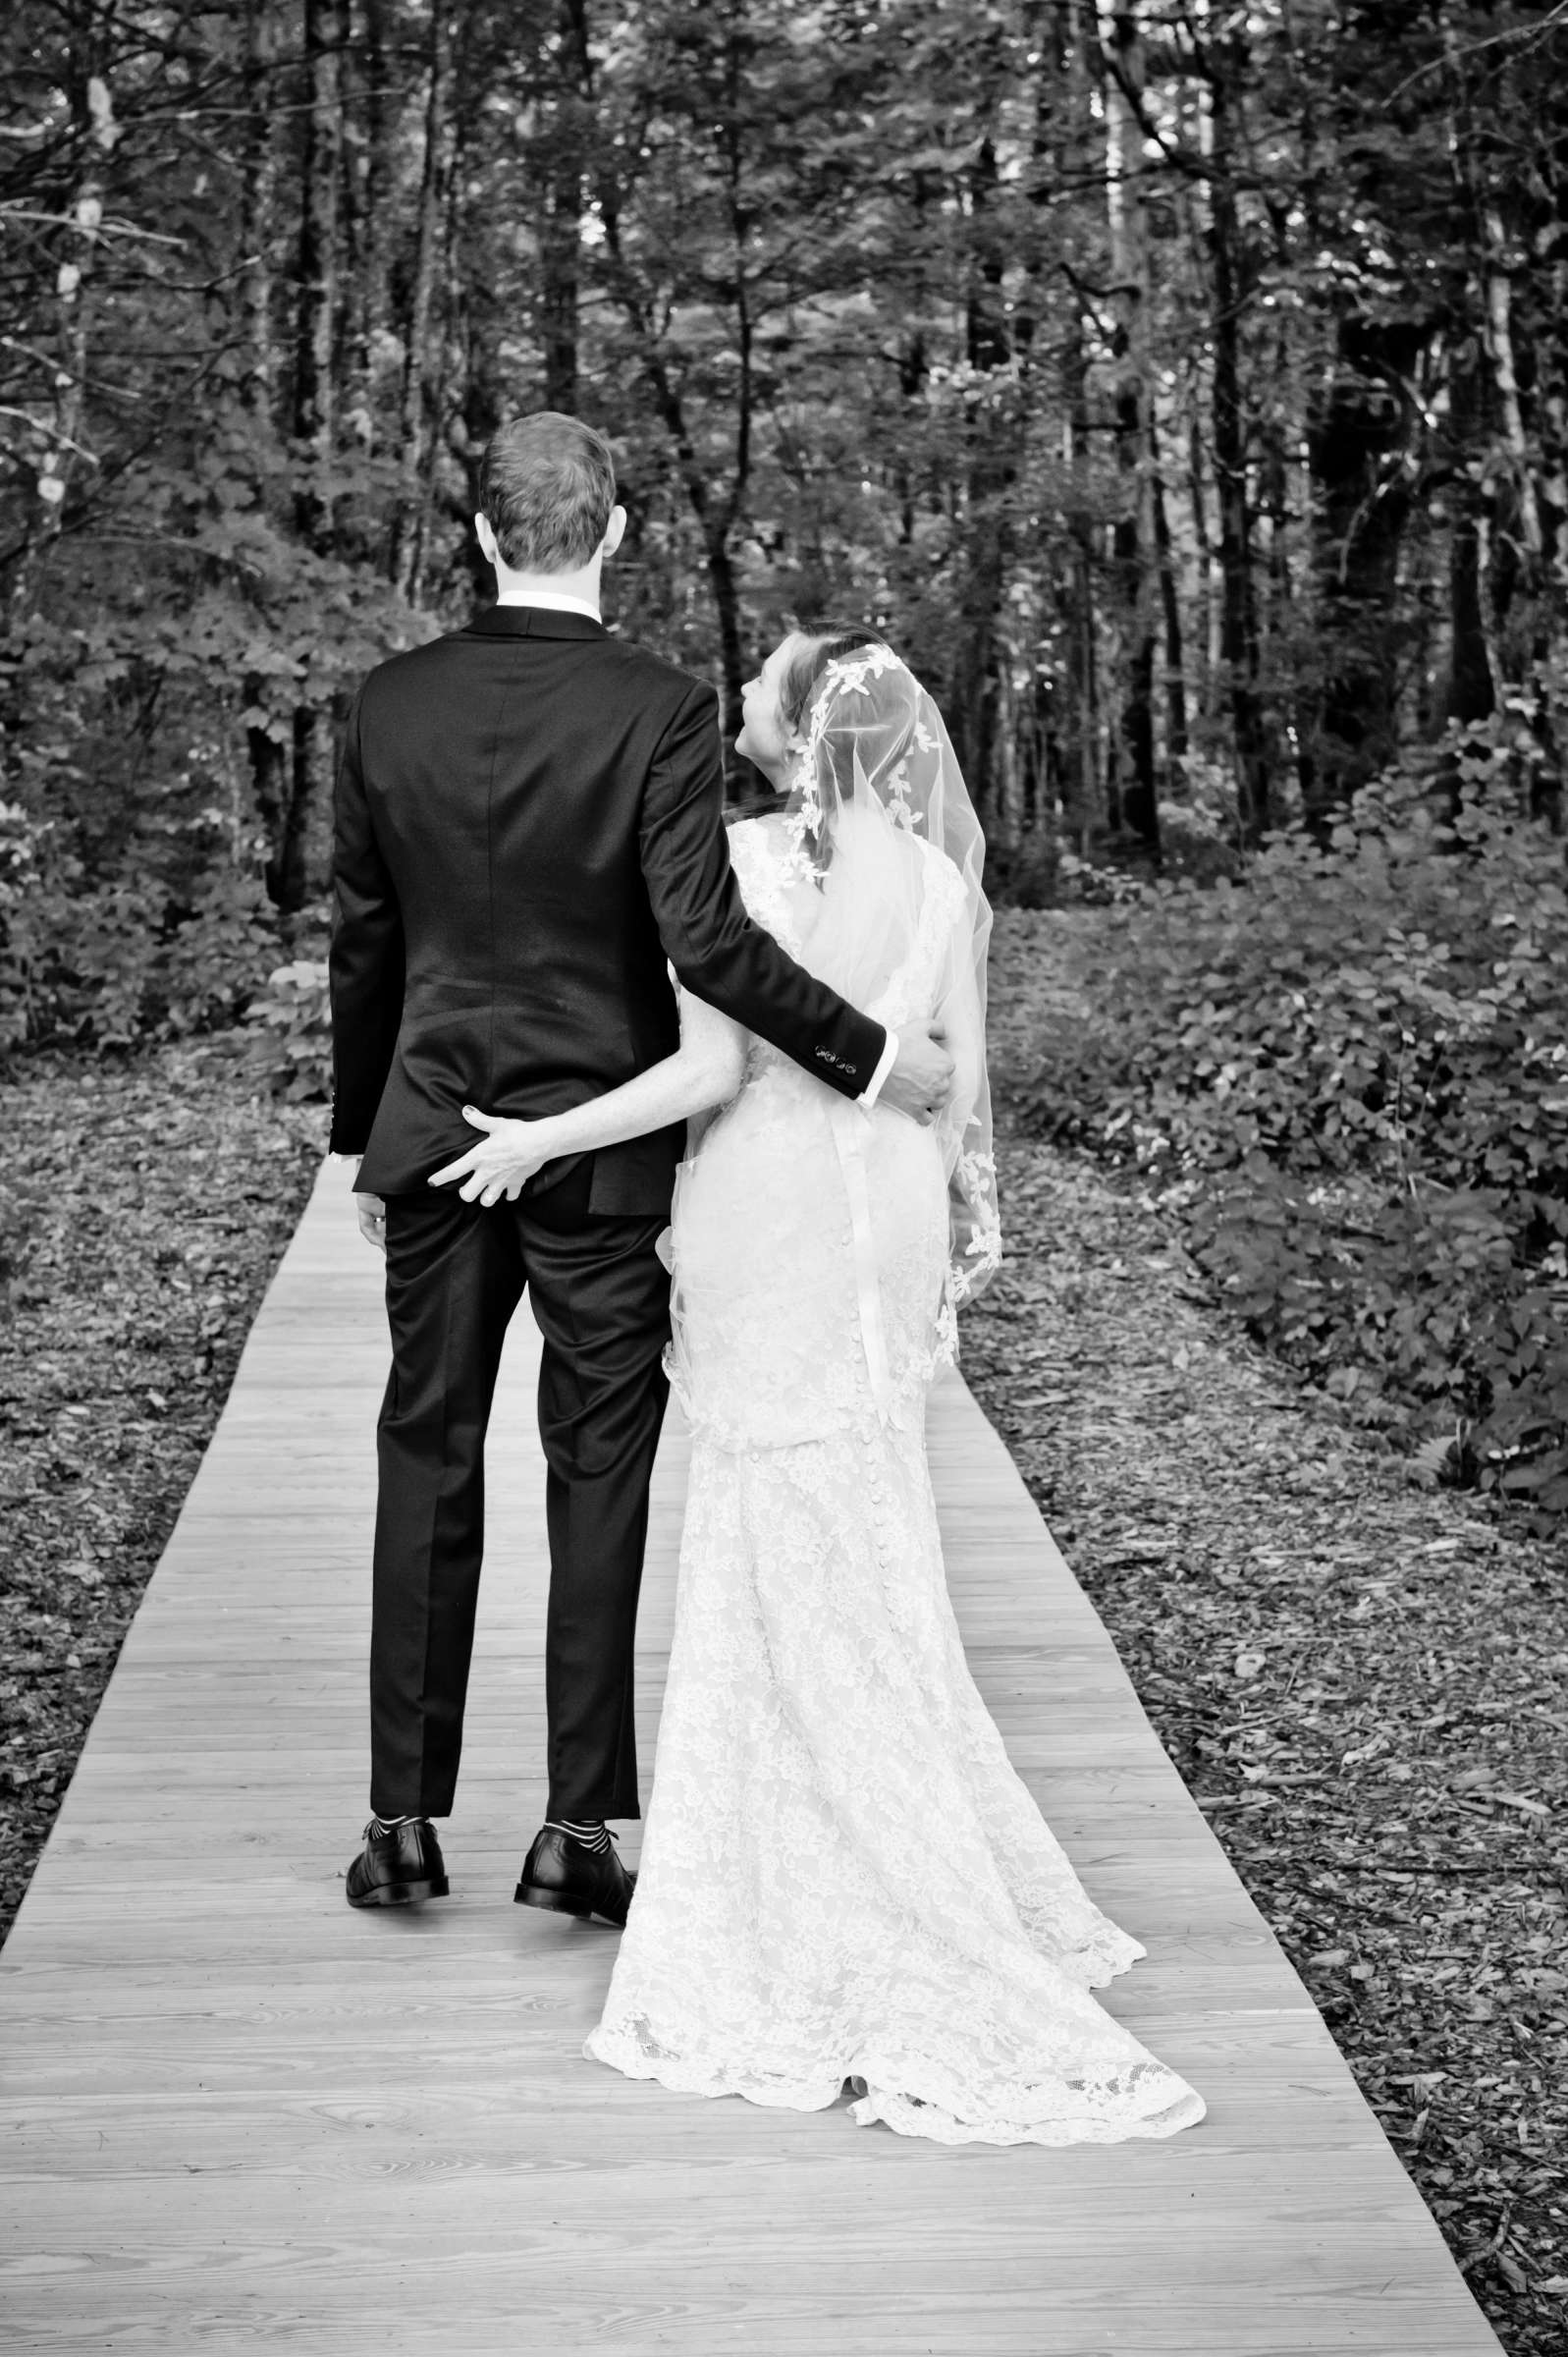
(1362, 1677)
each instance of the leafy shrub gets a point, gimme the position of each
(289, 1047)
(1350, 1071)
(1193, 845)
(1086, 884)
(153, 785)
(1025, 874)
(108, 965)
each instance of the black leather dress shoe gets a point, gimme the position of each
(398, 1868)
(561, 1874)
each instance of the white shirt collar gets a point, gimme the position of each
(553, 599)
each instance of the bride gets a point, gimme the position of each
(842, 1877)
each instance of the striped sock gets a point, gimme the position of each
(379, 1827)
(591, 1831)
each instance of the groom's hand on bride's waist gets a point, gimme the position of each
(921, 1080)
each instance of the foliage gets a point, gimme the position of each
(1350, 1069)
(1183, 392)
(149, 773)
(290, 1048)
(1359, 1678)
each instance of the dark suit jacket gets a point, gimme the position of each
(529, 823)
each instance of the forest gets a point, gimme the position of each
(1183, 389)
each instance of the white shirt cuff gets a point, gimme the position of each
(885, 1064)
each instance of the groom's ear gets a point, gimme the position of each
(485, 537)
(614, 531)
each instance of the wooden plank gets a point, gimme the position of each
(238, 2113)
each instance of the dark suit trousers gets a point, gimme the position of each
(601, 1297)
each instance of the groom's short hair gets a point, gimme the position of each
(547, 484)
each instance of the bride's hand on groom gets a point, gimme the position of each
(921, 1080)
(501, 1163)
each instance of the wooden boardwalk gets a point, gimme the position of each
(239, 2115)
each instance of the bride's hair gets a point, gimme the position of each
(821, 644)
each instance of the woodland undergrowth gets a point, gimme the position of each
(1360, 1675)
(1346, 1073)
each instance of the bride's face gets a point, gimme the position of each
(764, 737)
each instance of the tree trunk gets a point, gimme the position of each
(972, 690)
(1206, 635)
(560, 253)
(326, 31)
(1171, 608)
(1279, 428)
(1469, 695)
(913, 372)
(565, 159)
(1083, 782)
(290, 872)
(69, 458)
(420, 359)
(732, 651)
(371, 184)
(442, 408)
(1521, 620)
(1357, 447)
(1133, 538)
(259, 216)
(986, 338)
(1500, 344)
(716, 506)
(726, 513)
(1043, 739)
(478, 330)
(715, 511)
(1230, 293)
(268, 759)
(302, 861)
(271, 785)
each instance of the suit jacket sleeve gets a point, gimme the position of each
(709, 939)
(366, 966)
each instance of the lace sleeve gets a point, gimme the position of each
(762, 880)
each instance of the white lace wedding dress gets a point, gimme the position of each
(841, 1876)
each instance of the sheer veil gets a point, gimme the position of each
(885, 837)
(916, 1925)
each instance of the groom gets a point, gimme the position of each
(528, 827)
